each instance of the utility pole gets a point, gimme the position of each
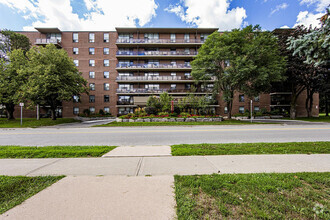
(38, 116)
(251, 112)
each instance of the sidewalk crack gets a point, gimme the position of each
(46, 165)
(139, 166)
(212, 164)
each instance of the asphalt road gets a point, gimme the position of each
(123, 136)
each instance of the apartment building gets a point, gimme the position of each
(124, 67)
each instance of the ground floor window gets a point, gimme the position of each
(256, 108)
(106, 109)
(241, 109)
(75, 110)
(92, 109)
(124, 111)
(226, 110)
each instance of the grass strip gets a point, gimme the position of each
(251, 148)
(132, 124)
(253, 196)
(53, 151)
(32, 122)
(15, 189)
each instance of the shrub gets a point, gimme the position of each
(184, 114)
(163, 114)
(151, 110)
(87, 112)
(101, 112)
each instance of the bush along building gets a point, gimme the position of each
(127, 66)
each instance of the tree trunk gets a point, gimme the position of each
(293, 110)
(229, 107)
(309, 103)
(10, 111)
(326, 105)
(53, 114)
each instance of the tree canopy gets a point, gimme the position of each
(246, 60)
(11, 40)
(52, 78)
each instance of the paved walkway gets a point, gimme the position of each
(109, 197)
(167, 165)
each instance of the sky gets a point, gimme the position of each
(105, 15)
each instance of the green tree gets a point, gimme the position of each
(165, 101)
(13, 41)
(246, 60)
(312, 46)
(52, 78)
(11, 80)
(12, 49)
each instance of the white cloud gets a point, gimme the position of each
(102, 15)
(285, 26)
(279, 7)
(206, 13)
(307, 18)
(320, 4)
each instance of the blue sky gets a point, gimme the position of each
(107, 14)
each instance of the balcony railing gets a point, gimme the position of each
(156, 91)
(156, 66)
(125, 102)
(156, 53)
(146, 78)
(159, 41)
(48, 41)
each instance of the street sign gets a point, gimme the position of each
(21, 104)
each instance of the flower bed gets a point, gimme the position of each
(170, 119)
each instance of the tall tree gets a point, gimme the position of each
(13, 46)
(246, 60)
(11, 40)
(313, 46)
(52, 78)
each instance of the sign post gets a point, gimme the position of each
(21, 104)
(251, 112)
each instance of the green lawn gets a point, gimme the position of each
(251, 148)
(53, 151)
(253, 196)
(15, 189)
(32, 122)
(314, 119)
(225, 122)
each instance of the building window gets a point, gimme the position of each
(256, 108)
(151, 36)
(173, 63)
(186, 37)
(106, 50)
(187, 75)
(173, 74)
(226, 110)
(92, 109)
(91, 51)
(92, 98)
(152, 86)
(91, 37)
(106, 98)
(91, 62)
(76, 62)
(106, 75)
(75, 38)
(257, 98)
(106, 86)
(173, 37)
(187, 86)
(173, 86)
(76, 50)
(106, 62)
(75, 98)
(106, 109)
(125, 86)
(187, 63)
(203, 37)
(91, 75)
(75, 110)
(241, 109)
(186, 51)
(106, 37)
(241, 98)
(92, 86)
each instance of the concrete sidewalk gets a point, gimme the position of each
(110, 197)
(183, 165)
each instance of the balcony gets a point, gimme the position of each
(159, 42)
(170, 79)
(159, 91)
(156, 54)
(128, 67)
(44, 41)
(125, 103)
